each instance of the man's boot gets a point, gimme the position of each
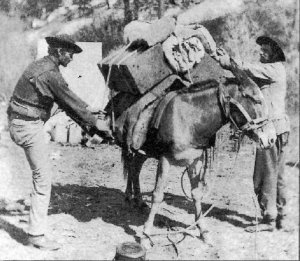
(266, 224)
(42, 242)
(283, 224)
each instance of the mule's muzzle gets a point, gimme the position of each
(266, 143)
(267, 135)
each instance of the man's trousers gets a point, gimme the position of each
(31, 137)
(270, 179)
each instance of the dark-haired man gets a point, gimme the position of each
(40, 85)
(269, 177)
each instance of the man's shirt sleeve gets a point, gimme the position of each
(67, 99)
(265, 71)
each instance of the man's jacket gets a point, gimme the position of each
(271, 78)
(39, 87)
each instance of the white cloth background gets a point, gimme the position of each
(83, 74)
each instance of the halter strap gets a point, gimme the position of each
(251, 124)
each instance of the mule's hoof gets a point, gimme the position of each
(144, 239)
(270, 227)
(140, 204)
(128, 198)
(206, 238)
(146, 242)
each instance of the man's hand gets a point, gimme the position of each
(99, 113)
(223, 58)
(94, 109)
(103, 126)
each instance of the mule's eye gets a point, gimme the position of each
(254, 97)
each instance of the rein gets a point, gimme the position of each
(251, 124)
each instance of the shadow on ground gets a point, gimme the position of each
(223, 214)
(16, 233)
(87, 203)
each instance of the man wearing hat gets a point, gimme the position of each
(269, 177)
(38, 88)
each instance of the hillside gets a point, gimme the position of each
(233, 24)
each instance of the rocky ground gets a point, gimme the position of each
(88, 216)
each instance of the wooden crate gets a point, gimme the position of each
(135, 72)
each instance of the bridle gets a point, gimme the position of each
(251, 124)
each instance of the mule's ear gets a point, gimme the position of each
(253, 94)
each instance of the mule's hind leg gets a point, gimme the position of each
(196, 173)
(138, 161)
(133, 165)
(158, 193)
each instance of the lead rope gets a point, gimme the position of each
(186, 170)
(256, 225)
(254, 199)
(253, 196)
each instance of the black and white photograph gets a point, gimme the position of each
(149, 130)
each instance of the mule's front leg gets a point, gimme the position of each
(127, 172)
(158, 193)
(129, 191)
(196, 175)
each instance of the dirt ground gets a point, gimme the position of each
(88, 216)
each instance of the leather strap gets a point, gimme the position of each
(25, 112)
(13, 115)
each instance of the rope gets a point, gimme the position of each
(181, 52)
(126, 57)
(233, 164)
(186, 170)
(186, 196)
(256, 226)
(185, 230)
(115, 57)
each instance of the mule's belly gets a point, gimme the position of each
(185, 157)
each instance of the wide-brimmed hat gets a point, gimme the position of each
(63, 41)
(275, 46)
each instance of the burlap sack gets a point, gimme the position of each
(183, 54)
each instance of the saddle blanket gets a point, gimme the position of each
(132, 125)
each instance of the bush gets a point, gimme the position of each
(5, 5)
(109, 31)
(33, 8)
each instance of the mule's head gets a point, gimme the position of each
(251, 117)
(248, 110)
